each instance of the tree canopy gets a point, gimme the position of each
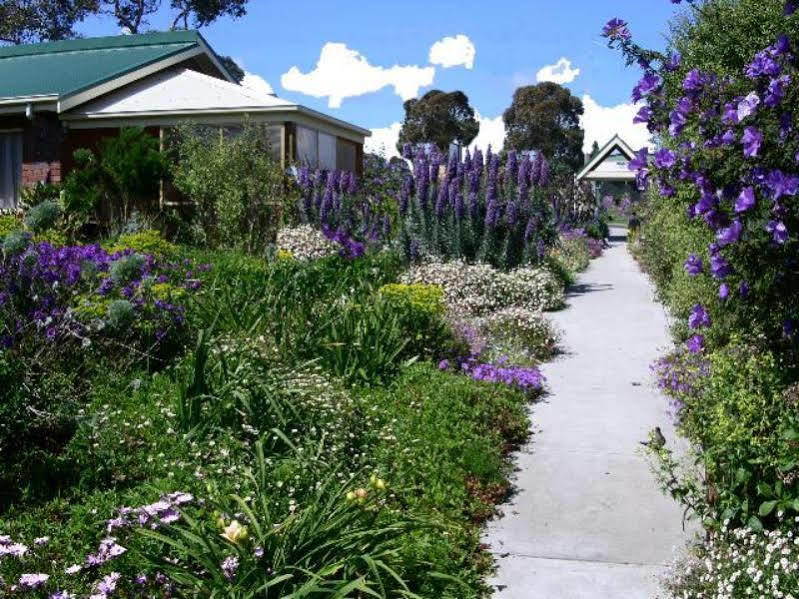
(546, 117)
(27, 21)
(440, 118)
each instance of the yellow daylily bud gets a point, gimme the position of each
(380, 484)
(351, 496)
(235, 532)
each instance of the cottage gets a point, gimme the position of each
(59, 96)
(608, 173)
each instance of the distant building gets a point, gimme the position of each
(608, 173)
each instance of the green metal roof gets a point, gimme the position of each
(67, 67)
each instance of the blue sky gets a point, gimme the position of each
(511, 42)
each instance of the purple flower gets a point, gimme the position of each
(730, 234)
(745, 200)
(640, 161)
(695, 81)
(665, 158)
(695, 344)
(719, 267)
(724, 291)
(699, 317)
(229, 566)
(674, 62)
(643, 115)
(616, 29)
(752, 140)
(443, 365)
(33, 581)
(748, 106)
(778, 230)
(776, 91)
(693, 265)
(781, 184)
(647, 84)
(743, 289)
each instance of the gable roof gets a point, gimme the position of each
(615, 143)
(60, 71)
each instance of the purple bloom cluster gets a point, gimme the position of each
(352, 216)
(680, 374)
(477, 208)
(46, 291)
(732, 146)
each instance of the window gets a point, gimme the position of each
(327, 152)
(346, 155)
(10, 169)
(307, 147)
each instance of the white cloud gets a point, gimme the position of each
(492, 132)
(603, 122)
(257, 83)
(344, 73)
(561, 72)
(384, 140)
(453, 51)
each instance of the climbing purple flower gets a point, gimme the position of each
(748, 106)
(724, 291)
(665, 158)
(778, 230)
(699, 318)
(693, 265)
(781, 184)
(643, 116)
(752, 140)
(616, 29)
(745, 200)
(730, 234)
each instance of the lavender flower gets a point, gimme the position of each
(752, 140)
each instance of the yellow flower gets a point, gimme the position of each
(235, 532)
(350, 495)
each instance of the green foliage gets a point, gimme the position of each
(126, 269)
(425, 298)
(147, 242)
(440, 118)
(546, 117)
(120, 314)
(239, 191)
(37, 193)
(8, 224)
(15, 242)
(42, 216)
(571, 254)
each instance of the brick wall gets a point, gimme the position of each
(42, 146)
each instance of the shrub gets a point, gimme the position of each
(520, 335)
(304, 242)
(425, 298)
(238, 190)
(478, 211)
(42, 216)
(479, 289)
(740, 562)
(39, 192)
(148, 242)
(8, 223)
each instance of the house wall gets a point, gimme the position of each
(42, 146)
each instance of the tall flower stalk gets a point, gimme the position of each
(478, 209)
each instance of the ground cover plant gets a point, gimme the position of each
(245, 426)
(719, 238)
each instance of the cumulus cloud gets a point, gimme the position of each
(603, 122)
(453, 51)
(561, 72)
(492, 132)
(344, 73)
(384, 140)
(257, 83)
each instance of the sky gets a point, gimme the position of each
(359, 61)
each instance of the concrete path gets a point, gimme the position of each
(588, 520)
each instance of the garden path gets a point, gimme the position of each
(588, 520)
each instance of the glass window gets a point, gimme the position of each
(327, 152)
(346, 153)
(10, 169)
(307, 147)
(273, 137)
